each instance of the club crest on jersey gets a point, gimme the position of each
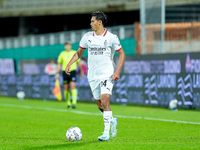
(105, 43)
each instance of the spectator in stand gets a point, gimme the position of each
(51, 68)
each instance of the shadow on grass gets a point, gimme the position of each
(72, 144)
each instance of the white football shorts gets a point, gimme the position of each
(100, 87)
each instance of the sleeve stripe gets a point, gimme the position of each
(119, 49)
(82, 47)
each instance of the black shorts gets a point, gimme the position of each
(69, 78)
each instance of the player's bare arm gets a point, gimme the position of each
(122, 57)
(76, 56)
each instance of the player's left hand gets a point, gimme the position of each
(115, 76)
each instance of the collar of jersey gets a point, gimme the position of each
(104, 33)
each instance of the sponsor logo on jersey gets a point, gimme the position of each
(96, 50)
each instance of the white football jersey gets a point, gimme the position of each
(101, 49)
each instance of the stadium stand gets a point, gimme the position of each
(125, 31)
(46, 7)
(49, 7)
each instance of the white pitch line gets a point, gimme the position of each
(95, 114)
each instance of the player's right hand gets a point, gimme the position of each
(67, 70)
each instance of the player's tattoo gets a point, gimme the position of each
(78, 55)
(74, 55)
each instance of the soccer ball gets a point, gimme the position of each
(173, 104)
(20, 95)
(74, 134)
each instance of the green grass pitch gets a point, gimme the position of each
(39, 125)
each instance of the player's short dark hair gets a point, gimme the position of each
(100, 16)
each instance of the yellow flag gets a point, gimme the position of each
(57, 91)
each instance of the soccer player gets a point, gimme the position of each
(101, 45)
(69, 80)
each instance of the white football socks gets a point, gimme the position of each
(107, 116)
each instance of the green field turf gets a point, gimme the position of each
(38, 125)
